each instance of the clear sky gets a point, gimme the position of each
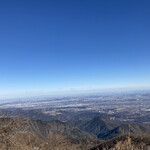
(52, 45)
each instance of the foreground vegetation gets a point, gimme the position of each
(23, 134)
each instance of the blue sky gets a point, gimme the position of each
(57, 45)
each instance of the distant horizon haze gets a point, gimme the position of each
(71, 92)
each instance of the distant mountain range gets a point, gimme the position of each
(25, 134)
(105, 128)
(98, 126)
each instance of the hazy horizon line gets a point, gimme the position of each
(68, 92)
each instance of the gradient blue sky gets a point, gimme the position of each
(52, 45)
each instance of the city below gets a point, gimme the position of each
(125, 107)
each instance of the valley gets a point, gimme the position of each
(81, 122)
